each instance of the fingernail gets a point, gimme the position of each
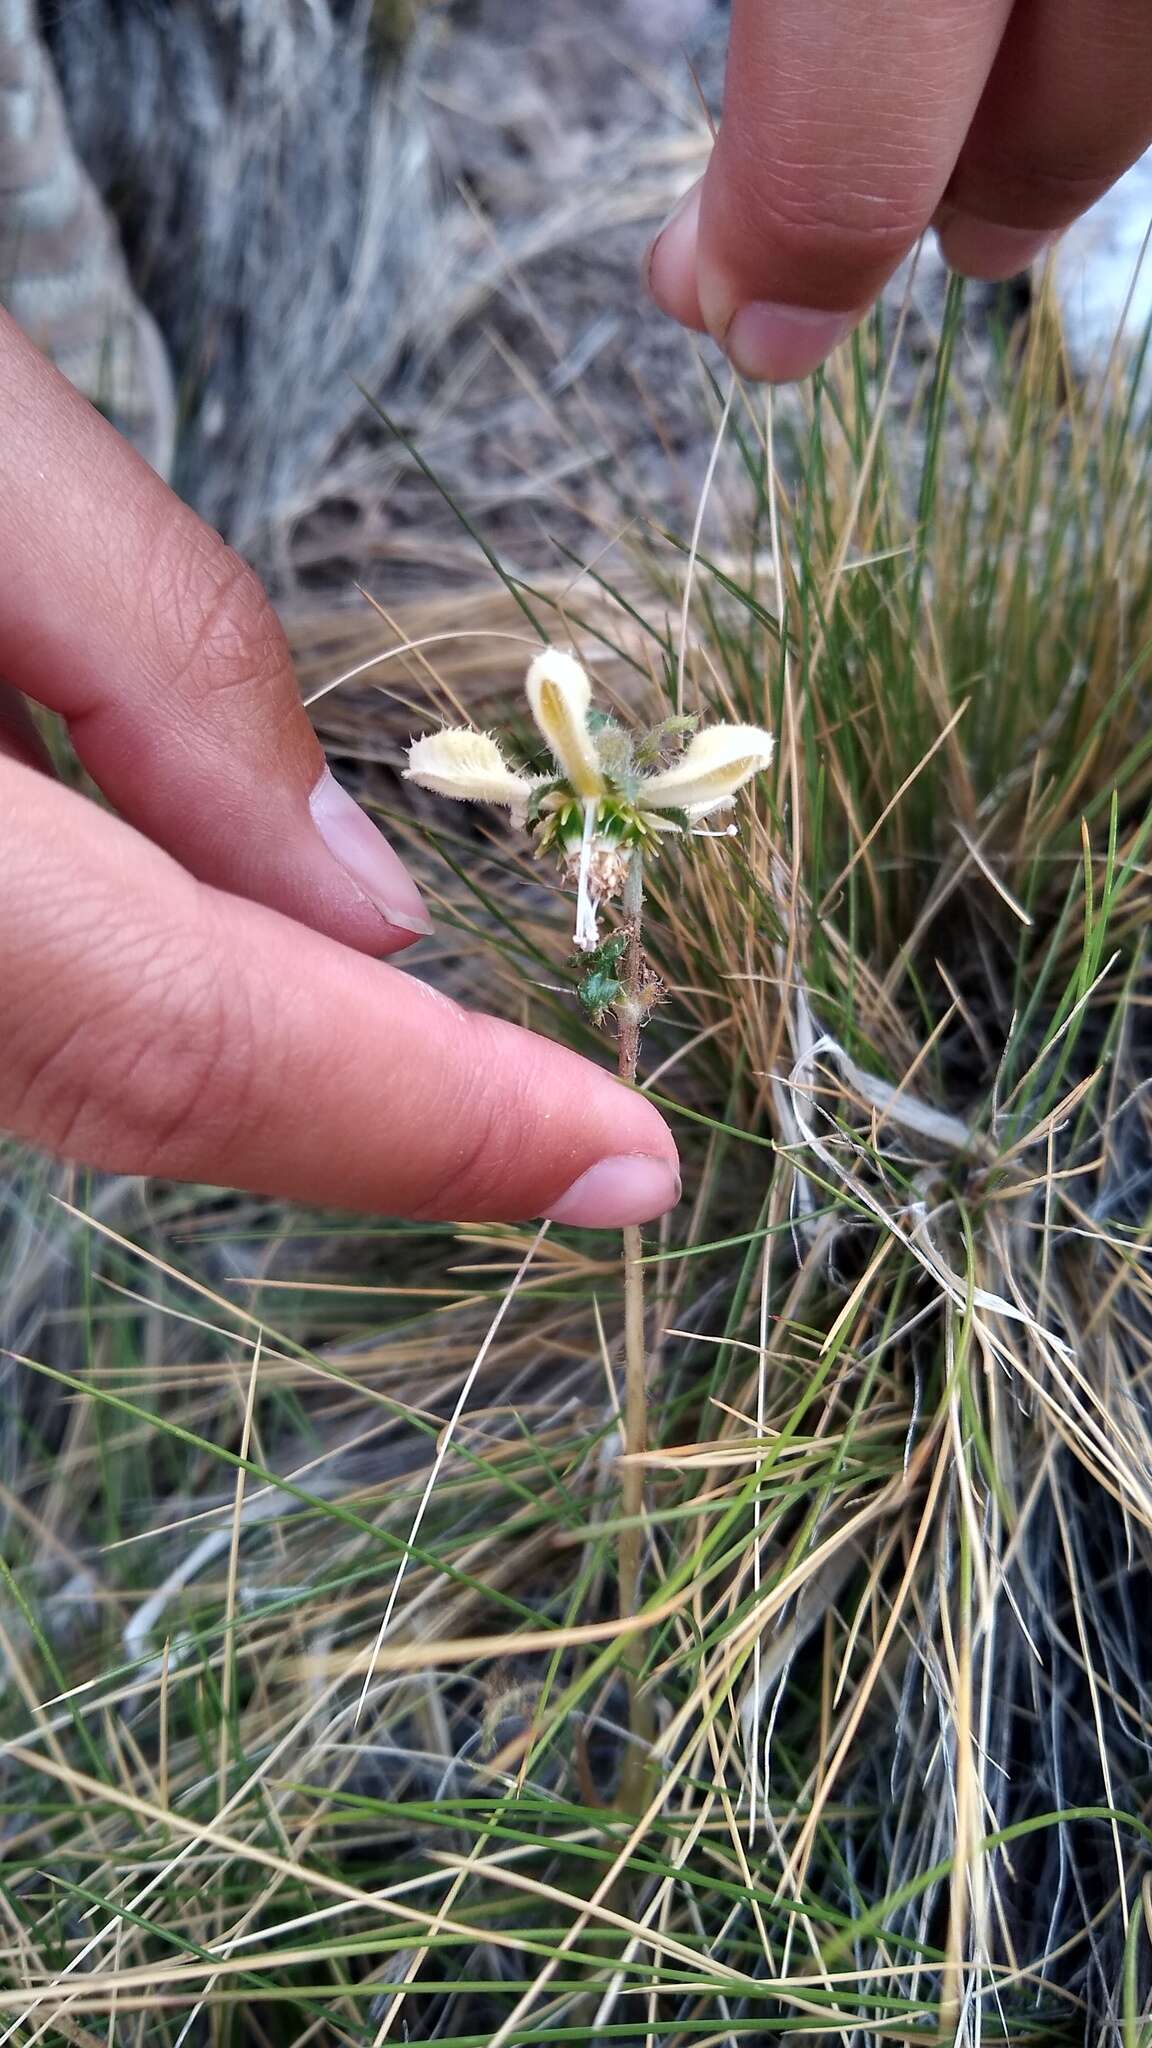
(670, 264)
(364, 853)
(985, 249)
(775, 344)
(614, 1192)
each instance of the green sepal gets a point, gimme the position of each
(604, 957)
(599, 986)
(598, 994)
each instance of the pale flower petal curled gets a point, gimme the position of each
(469, 765)
(710, 770)
(561, 696)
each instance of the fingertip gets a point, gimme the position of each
(365, 858)
(670, 264)
(775, 344)
(767, 342)
(563, 1137)
(987, 249)
(618, 1192)
(649, 1135)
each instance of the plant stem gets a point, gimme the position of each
(635, 1420)
(630, 1013)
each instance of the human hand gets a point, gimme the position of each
(183, 989)
(849, 128)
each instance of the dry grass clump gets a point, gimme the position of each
(897, 1512)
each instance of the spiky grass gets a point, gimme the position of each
(897, 1511)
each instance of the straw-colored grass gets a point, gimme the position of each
(897, 1506)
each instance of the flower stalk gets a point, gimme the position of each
(630, 1013)
(611, 800)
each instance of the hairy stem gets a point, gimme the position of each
(630, 1014)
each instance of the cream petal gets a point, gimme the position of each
(711, 769)
(469, 765)
(560, 696)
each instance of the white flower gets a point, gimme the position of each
(459, 762)
(598, 811)
(711, 769)
(468, 765)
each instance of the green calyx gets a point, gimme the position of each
(620, 825)
(599, 987)
(556, 814)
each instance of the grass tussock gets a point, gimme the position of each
(897, 1511)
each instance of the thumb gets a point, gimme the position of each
(154, 1025)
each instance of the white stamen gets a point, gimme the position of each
(708, 832)
(586, 934)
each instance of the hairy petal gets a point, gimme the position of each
(710, 770)
(469, 765)
(560, 696)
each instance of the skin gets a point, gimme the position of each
(191, 985)
(195, 987)
(850, 126)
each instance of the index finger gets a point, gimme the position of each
(840, 130)
(121, 610)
